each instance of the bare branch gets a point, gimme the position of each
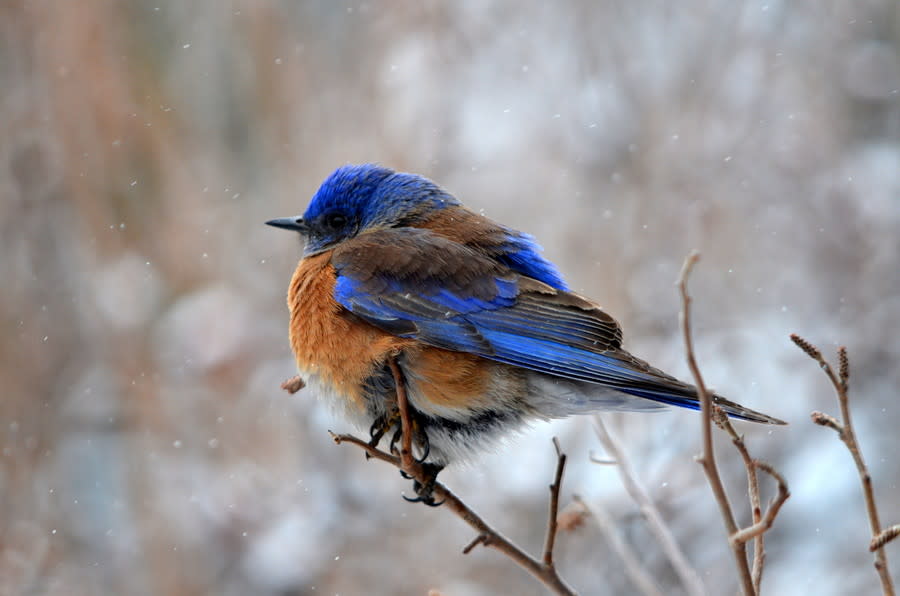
(632, 563)
(480, 539)
(844, 428)
(759, 527)
(884, 537)
(601, 461)
(707, 457)
(760, 524)
(550, 540)
(688, 576)
(544, 572)
(370, 450)
(831, 422)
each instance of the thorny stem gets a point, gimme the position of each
(844, 429)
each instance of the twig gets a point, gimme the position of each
(707, 457)
(884, 537)
(552, 520)
(759, 528)
(294, 384)
(688, 576)
(844, 429)
(759, 547)
(544, 571)
(633, 567)
(760, 523)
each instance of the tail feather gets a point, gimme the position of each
(691, 401)
(658, 386)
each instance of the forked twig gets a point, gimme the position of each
(750, 579)
(761, 523)
(545, 570)
(707, 457)
(844, 429)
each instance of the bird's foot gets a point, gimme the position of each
(382, 425)
(425, 490)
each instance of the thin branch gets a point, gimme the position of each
(884, 537)
(544, 571)
(707, 457)
(760, 523)
(688, 576)
(552, 520)
(632, 563)
(371, 451)
(759, 547)
(823, 419)
(844, 429)
(601, 461)
(759, 528)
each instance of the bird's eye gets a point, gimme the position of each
(335, 221)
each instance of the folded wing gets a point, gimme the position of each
(414, 283)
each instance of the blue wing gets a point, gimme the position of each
(415, 283)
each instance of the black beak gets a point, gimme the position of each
(288, 223)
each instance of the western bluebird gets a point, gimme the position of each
(484, 329)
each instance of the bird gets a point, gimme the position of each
(485, 331)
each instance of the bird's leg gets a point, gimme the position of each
(420, 438)
(423, 489)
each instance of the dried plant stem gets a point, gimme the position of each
(633, 566)
(758, 528)
(689, 578)
(545, 570)
(759, 549)
(553, 514)
(844, 429)
(884, 537)
(707, 457)
(761, 523)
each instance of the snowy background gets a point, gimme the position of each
(146, 445)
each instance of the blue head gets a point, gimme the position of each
(356, 198)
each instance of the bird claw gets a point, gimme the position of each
(429, 501)
(426, 449)
(397, 434)
(422, 440)
(381, 426)
(425, 490)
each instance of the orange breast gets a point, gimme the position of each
(343, 350)
(327, 339)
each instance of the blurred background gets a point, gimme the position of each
(146, 445)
